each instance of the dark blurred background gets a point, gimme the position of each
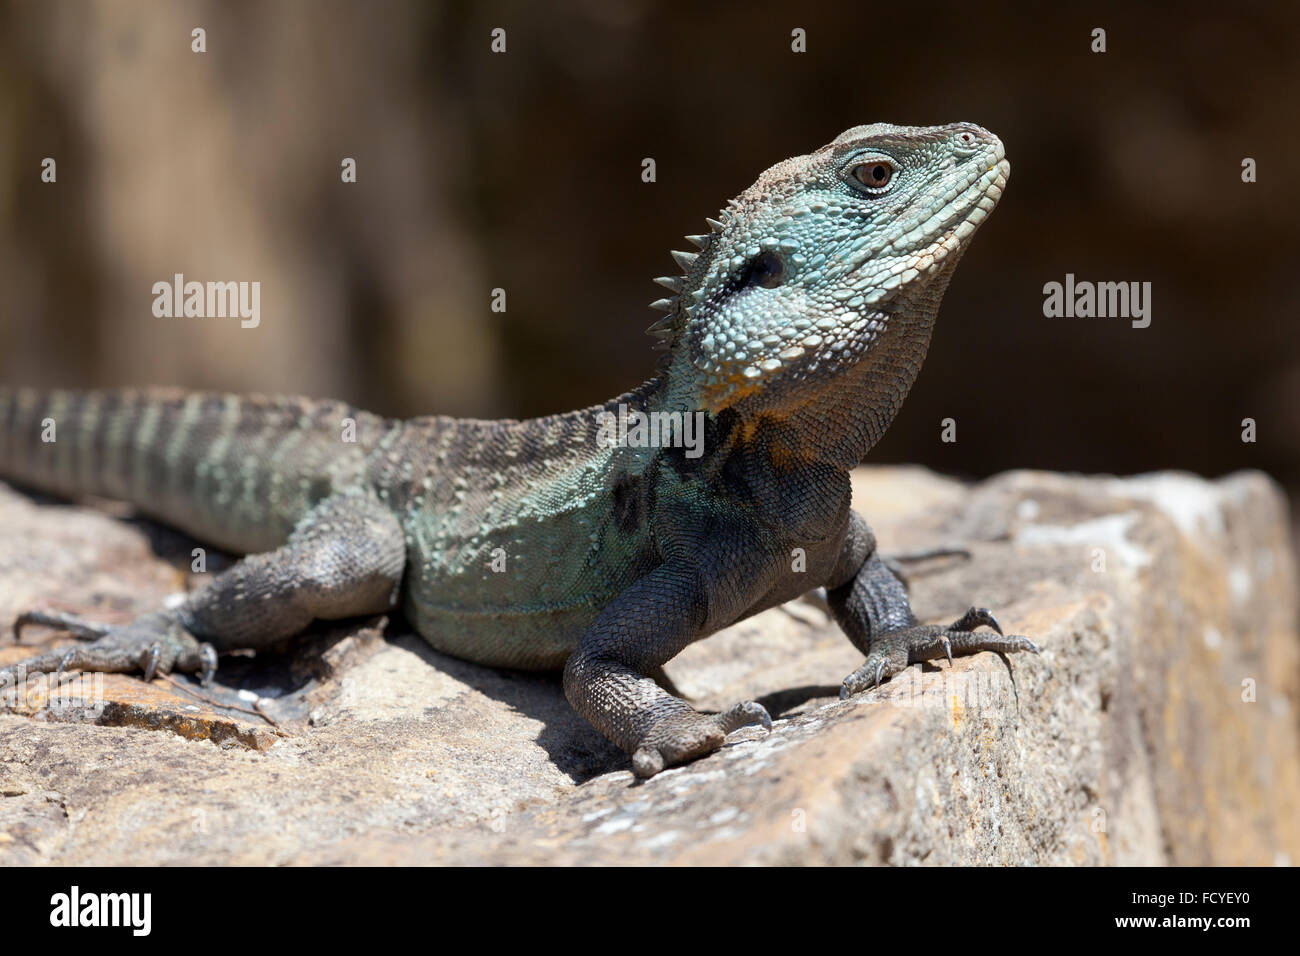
(522, 171)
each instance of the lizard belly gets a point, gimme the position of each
(528, 638)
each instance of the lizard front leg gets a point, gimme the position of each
(871, 606)
(605, 677)
(344, 559)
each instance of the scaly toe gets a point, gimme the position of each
(78, 627)
(743, 714)
(647, 762)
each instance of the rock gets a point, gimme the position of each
(1157, 727)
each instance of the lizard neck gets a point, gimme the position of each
(828, 417)
(834, 422)
(838, 425)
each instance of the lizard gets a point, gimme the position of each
(792, 336)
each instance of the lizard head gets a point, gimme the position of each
(825, 258)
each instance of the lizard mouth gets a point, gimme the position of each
(974, 204)
(967, 211)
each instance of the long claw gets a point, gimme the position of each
(947, 649)
(149, 661)
(208, 657)
(880, 672)
(974, 618)
(64, 662)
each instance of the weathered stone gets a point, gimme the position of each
(1158, 726)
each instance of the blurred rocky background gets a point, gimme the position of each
(522, 171)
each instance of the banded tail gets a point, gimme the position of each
(236, 471)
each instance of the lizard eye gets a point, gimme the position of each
(767, 270)
(875, 175)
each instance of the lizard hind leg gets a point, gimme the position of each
(153, 643)
(344, 559)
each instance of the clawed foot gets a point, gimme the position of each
(688, 735)
(155, 643)
(892, 652)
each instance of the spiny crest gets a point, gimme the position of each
(666, 329)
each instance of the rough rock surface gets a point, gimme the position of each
(1158, 726)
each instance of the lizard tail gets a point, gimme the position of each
(238, 471)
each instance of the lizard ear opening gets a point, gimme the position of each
(768, 271)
